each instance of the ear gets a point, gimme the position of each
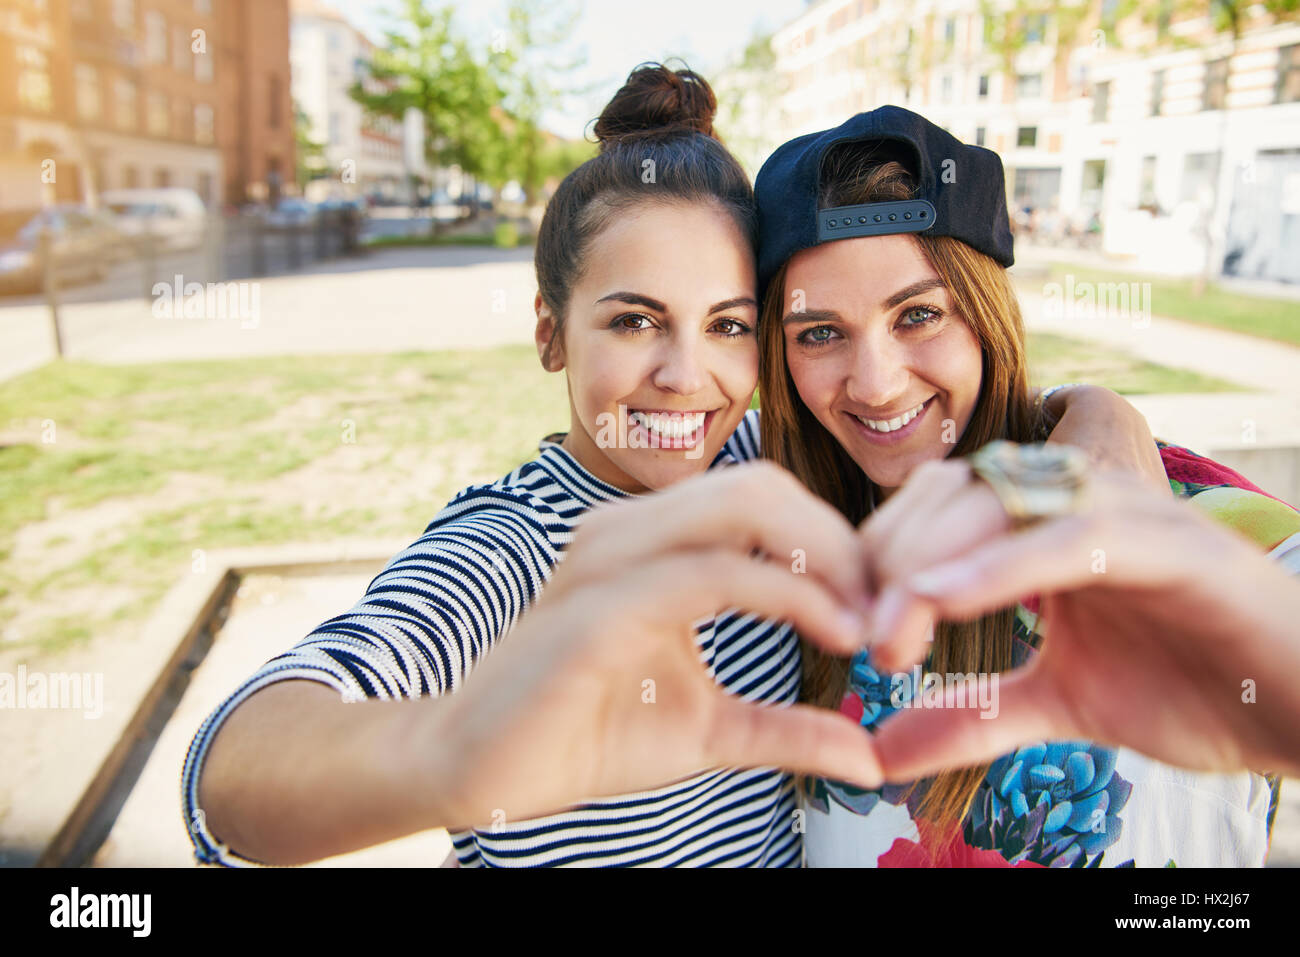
(550, 346)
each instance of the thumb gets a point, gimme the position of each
(800, 738)
(918, 742)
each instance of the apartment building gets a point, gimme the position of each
(102, 94)
(255, 130)
(364, 155)
(1172, 135)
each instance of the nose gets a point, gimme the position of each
(680, 368)
(879, 375)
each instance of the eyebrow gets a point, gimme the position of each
(897, 299)
(636, 299)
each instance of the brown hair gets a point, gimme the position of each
(791, 435)
(657, 145)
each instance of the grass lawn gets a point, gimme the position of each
(112, 476)
(1277, 319)
(1056, 359)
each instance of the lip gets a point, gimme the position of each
(652, 442)
(898, 435)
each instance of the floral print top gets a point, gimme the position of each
(1064, 803)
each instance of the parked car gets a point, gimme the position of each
(82, 244)
(292, 213)
(172, 217)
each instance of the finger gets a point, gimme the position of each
(678, 589)
(922, 741)
(752, 506)
(1066, 554)
(902, 629)
(801, 739)
(929, 485)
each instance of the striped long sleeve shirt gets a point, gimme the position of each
(442, 603)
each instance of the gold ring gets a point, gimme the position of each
(1036, 481)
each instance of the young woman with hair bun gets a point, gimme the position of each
(647, 302)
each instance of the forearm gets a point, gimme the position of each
(1263, 662)
(296, 774)
(1113, 433)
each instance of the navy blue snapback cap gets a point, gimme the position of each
(961, 191)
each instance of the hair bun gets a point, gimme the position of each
(656, 101)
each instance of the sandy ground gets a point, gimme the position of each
(269, 615)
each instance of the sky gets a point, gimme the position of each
(613, 36)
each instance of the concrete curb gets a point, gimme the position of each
(175, 641)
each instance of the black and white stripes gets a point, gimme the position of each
(441, 604)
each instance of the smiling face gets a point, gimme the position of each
(879, 353)
(659, 343)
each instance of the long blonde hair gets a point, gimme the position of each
(793, 437)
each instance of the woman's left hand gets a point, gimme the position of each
(1163, 632)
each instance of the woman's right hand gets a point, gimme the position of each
(599, 689)
(1163, 631)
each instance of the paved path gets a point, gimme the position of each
(392, 300)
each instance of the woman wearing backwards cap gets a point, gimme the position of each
(891, 338)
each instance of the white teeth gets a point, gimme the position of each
(892, 425)
(673, 425)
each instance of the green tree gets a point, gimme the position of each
(310, 153)
(531, 65)
(426, 64)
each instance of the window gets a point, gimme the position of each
(1035, 27)
(1157, 92)
(124, 101)
(1216, 85)
(203, 7)
(1101, 102)
(273, 105)
(124, 14)
(203, 66)
(89, 101)
(1147, 191)
(979, 136)
(162, 178)
(34, 90)
(950, 31)
(984, 85)
(336, 128)
(1029, 85)
(130, 177)
(181, 55)
(157, 122)
(204, 125)
(1200, 173)
(155, 37)
(1288, 74)
(205, 188)
(945, 90)
(1027, 136)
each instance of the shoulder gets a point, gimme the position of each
(743, 444)
(1230, 498)
(527, 500)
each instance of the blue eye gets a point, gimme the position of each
(816, 336)
(923, 315)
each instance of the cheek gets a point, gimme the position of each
(954, 362)
(814, 379)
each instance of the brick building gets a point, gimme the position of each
(103, 94)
